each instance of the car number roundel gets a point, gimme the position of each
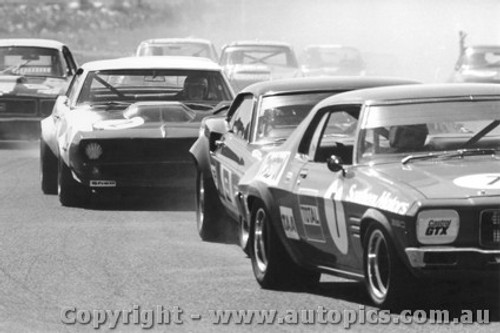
(484, 181)
(335, 217)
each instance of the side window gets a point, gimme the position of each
(240, 123)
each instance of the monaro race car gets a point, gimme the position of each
(260, 118)
(411, 191)
(33, 72)
(128, 122)
(247, 62)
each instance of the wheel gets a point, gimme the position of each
(71, 193)
(210, 217)
(48, 169)
(244, 236)
(387, 280)
(272, 267)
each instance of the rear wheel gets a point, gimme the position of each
(387, 280)
(210, 215)
(272, 266)
(71, 193)
(48, 169)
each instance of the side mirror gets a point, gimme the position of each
(334, 163)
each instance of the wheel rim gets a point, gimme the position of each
(244, 234)
(260, 240)
(379, 265)
(201, 204)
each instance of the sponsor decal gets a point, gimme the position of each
(310, 215)
(102, 183)
(484, 181)
(312, 223)
(335, 216)
(386, 201)
(273, 166)
(288, 223)
(437, 226)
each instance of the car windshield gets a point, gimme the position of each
(176, 49)
(30, 61)
(199, 89)
(279, 115)
(428, 129)
(477, 58)
(333, 57)
(274, 56)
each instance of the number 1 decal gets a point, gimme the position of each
(335, 217)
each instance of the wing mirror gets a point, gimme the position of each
(334, 163)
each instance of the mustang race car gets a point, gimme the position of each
(411, 191)
(33, 72)
(260, 118)
(128, 122)
(192, 47)
(248, 62)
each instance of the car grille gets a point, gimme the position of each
(126, 150)
(490, 228)
(16, 107)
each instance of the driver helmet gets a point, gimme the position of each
(196, 87)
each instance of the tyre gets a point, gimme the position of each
(48, 169)
(210, 217)
(272, 267)
(244, 237)
(71, 193)
(388, 281)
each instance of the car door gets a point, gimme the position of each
(232, 155)
(319, 190)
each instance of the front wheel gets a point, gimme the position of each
(271, 264)
(387, 280)
(71, 193)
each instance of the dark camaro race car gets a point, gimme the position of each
(411, 191)
(128, 123)
(33, 72)
(260, 118)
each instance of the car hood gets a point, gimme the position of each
(454, 179)
(145, 120)
(31, 86)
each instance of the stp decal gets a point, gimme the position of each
(335, 216)
(483, 181)
(288, 223)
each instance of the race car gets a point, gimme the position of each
(477, 63)
(33, 72)
(247, 62)
(192, 47)
(260, 118)
(326, 59)
(128, 123)
(410, 192)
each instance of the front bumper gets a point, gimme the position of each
(445, 260)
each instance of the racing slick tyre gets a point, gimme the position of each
(71, 193)
(48, 169)
(272, 266)
(210, 217)
(388, 281)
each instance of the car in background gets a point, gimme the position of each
(477, 63)
(33, 72)
(319, 60)
(192, 47)
(409, 192)
(128, 123)
(247, 62)
(260, 118)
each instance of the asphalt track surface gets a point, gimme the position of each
(143, 251)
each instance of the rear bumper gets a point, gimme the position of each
(453, 262)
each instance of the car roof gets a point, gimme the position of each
(257, 43)
(402, 94)
(148, 62)
(176, 40)
(35, 42)
(324, 83)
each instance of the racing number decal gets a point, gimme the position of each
(335, 217)
(483, 181)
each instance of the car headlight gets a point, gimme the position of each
(438, 226)
(93, 150)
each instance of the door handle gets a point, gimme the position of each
(303, 173)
